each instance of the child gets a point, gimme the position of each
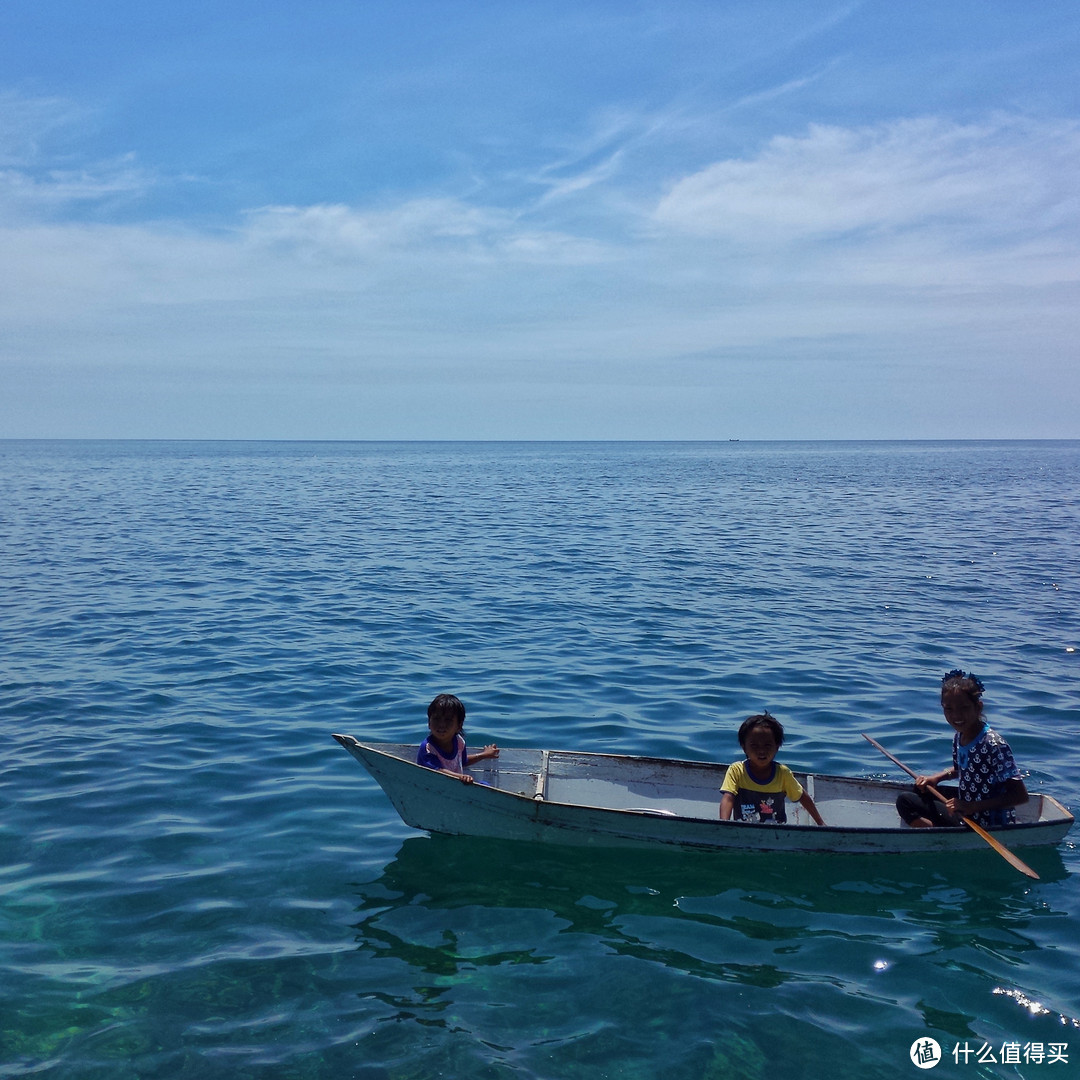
(444, 748)
(989, 781)
(754, 789)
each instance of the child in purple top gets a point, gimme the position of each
(444, 748)
(988, 780)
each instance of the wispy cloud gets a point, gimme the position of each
(47, 191)
(41, 173)
(981, 183)
(29, 124)
(431, 228)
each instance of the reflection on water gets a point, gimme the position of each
(490, 939)
(451, 871)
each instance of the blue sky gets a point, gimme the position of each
(549, 220)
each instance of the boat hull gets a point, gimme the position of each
(602, 800)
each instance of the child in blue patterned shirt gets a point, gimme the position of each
(988, 780)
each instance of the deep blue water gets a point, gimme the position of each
(195, 881)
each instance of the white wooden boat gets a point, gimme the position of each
(608, 800)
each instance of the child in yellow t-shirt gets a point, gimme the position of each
(755, 789)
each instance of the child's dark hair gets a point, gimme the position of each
(765, 719)
(447, 705)
(963, 682)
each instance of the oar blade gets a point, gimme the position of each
(1001, 849)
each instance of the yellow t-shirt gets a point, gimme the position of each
(763, 803)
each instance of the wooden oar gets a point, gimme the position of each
(996, 844)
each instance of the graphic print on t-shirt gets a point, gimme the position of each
(760, 807)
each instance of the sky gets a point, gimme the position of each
(462, 219)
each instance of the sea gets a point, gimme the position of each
(197, 882)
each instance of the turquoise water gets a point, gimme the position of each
(195, 881)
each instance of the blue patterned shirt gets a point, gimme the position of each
(983, 769)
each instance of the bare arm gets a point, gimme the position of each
(727, 804)
(933, 781)
(808, 805)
